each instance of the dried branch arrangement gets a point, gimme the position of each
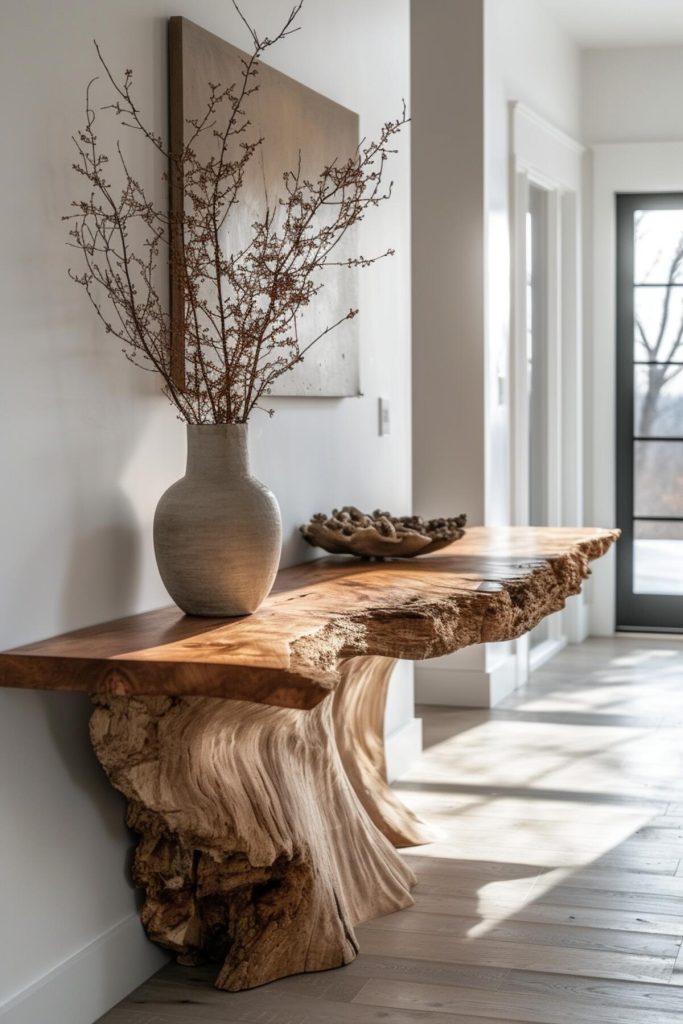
(242, 308)
(348, 531)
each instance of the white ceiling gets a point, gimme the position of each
(607, 23)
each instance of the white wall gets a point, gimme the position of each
(88, 444)
(461, 316)
(633, 94)
(448, 270)
(449, 352)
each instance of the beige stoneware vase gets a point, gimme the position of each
(217, 531)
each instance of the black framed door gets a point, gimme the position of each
(649, 456)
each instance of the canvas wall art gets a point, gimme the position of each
(296, 123)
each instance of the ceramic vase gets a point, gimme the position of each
(217, 531)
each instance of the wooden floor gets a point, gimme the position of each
(554, 891)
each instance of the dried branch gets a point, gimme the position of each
(242, 308)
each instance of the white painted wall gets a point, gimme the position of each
(448, 271)
(449, 352)
(88, 444)
(632, 94)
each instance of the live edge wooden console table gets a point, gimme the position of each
(251, 751)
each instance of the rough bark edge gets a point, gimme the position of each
(504, 608)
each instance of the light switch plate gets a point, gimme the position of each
(384, 417)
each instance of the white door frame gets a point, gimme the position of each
(545, 157)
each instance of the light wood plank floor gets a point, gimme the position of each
(553, 892)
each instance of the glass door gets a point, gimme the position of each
(650, 412)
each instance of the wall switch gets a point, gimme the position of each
(384, 417)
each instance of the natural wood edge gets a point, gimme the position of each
(120, 678)
(503, 608)
(393, 611)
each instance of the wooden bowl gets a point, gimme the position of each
(348, 531)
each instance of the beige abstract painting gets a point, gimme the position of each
(296, 123)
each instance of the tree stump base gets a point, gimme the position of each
(254, 848)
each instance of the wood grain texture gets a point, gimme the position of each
(358, 712)
(254, 849)
(493, 584)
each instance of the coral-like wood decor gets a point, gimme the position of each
(250, 750)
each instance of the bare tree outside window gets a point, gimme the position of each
(658, 321)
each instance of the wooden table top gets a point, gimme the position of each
(493, 584)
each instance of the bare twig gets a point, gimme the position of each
(242, 308)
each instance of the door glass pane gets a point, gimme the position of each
(658, 479)
(658, 318)
(658, 235)
(658, 400)
(658, 558)
(659, 529)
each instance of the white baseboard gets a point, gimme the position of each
(86, 985)
(543, 652)
(402, 748)
(475, 688)
(575, 619)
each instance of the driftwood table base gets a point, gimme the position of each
(251, 750)
(254, 849)
(358, 712)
